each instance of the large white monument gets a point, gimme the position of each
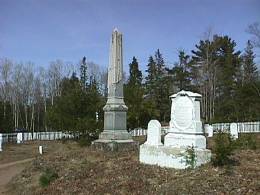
(185, 131)
(185, 125)
(115, 135)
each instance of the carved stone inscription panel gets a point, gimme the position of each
(183, 112)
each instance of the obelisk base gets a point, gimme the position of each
(115, 136)
(115, 145)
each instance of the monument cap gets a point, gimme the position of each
(186, 93)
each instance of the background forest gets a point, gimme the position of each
(62, 97)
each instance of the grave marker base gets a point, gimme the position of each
(171, 157)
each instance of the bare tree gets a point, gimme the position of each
(206, 72)
(27, 87)
(55, 77)
(16, 93)
(254, 29)
(5, 69)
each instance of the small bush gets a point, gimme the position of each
(47, 177)
(85, 140)
(223, 148)
(246, 141)
(190, 157)
(64, 140)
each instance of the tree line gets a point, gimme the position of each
(62, 97)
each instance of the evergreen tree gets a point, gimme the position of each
(229, 67)
(135, 77)
(160, 66)
(75, 109)
(248, 94)
(249, 67)
(83, 73)
(134, 96)
(162, 88)
(181, 73)
(150, 82)
(157, 88)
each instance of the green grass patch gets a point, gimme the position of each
(47, 177)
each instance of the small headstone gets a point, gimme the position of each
(1, 141)
(19, 138)
(40, 149)
(154, 133)
(210, 131)
(234, 130)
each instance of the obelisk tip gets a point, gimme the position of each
(115, 29)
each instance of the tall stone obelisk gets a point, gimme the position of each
(115, 135)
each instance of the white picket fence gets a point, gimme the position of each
(45, 136)
(142, 132)
(22, 137)
(14, 137)
(243, 127)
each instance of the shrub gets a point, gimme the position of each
(85, 140)
(246, 141)
(190, 157)
(223, 148)
(64, 140)
(47, 177)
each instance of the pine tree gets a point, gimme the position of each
(135, 77)
(83, 73)
(249, 66)
(134, 96)
(157, 88)
(151, 77)
(181, 72)
(229, 66)
(160, 66)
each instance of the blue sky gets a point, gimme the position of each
(45, 30)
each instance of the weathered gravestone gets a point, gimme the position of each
(115, 135)
(185, 131)
(234, 130)
(1, 141)
(154, 133)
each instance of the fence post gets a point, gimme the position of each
(210, 131)
(1, 141)
(19, 138)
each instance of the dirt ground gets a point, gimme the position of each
(15, 157)
(9, 170)
(82, 170)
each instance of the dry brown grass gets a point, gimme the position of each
(86, 171)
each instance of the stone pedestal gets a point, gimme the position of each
(115, 136)
(185, 140)
(171, 157)
(115, 145)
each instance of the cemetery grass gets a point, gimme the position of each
(82, 170)
(16, 152)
